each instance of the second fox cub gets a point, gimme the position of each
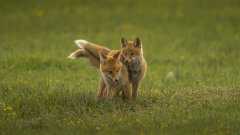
(114, 75)
(131, 56)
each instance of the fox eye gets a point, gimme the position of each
(110, 72)
(131, 53)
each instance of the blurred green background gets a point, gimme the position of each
(191, 87)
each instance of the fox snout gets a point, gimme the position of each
(116, 80)
(132, 60)
(113, 78)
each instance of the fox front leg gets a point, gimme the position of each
(135, 87)
(110, 92)
(127, 92)
(102, 92)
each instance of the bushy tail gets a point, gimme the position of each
(88, 50)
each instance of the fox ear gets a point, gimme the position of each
(103, 56)
(117, 55)
(137, 43)
(123, 42)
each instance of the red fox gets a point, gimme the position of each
(131, 56)
(114, 75)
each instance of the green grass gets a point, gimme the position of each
(42, 92)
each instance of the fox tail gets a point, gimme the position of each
(89, 51)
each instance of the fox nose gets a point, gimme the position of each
(115, 80)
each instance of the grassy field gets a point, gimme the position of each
(192, 86)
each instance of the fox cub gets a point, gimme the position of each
(114, 75)
(131, 57)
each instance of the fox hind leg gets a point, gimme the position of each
(76, 54)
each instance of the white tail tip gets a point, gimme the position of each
(81, 43)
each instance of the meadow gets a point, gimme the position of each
(192, 86)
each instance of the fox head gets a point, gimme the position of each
(110, 66)
(131, 51)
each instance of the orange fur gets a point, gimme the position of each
(132, 57)
(114, 75)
